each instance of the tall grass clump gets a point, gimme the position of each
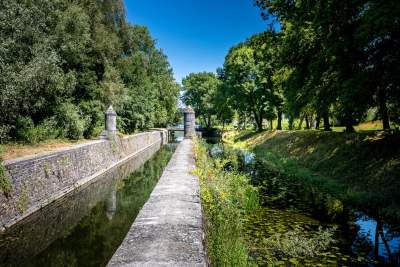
(225, 196)
(5, 182)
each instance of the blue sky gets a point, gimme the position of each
(196, 34)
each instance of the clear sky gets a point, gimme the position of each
(196, 34)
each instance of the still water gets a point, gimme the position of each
(358, 239)
(86, 227)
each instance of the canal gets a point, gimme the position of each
(86, 227)
(296, 225)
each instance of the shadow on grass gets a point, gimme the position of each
(366, 162)
(248, 135)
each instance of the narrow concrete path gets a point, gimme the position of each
(168, 230)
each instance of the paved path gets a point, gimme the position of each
(168, 230)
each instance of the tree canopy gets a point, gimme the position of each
(63, 62)
(330, 60)
(204, 93)
(341, 57)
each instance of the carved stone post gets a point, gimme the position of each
(111, 124)
(189, 120)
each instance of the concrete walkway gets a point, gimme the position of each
(168, 230)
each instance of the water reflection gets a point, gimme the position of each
(86, 227)
(385, 244)
(360, 240)
(111, 204)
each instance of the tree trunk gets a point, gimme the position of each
(271, 125)
(307, 122)
(279, 126)
(258, 119)
(291, 121)
(209, 121)
(301, 122)
(317, 121)
(325, 117)
(383, 108)
(349, 125)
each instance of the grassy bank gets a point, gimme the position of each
(361, 168)
(226, 196)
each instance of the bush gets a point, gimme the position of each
(4, 133)
(69, 121)
(29, 133)
(94, 118)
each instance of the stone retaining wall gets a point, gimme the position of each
(38, 181)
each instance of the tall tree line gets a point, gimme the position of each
(62, 62)
(335, 59)
(321, 61)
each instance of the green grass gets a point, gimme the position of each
(360, 168)
(226, 197)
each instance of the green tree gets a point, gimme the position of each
(342, 56)
(200, 91)
(248, 72)
(78, 57)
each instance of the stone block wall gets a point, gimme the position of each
(42, 179)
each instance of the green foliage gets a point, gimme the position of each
(83, 53)
(70, 121)
(248, 78)
(5, 183)
(226, 197)
(199, 91)
(338, 53)
(31, 134)
(93, 113)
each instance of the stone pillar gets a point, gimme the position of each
(189, 121)
(111, 124)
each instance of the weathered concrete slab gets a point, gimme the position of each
(168, 230)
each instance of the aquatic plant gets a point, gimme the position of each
(297, 244)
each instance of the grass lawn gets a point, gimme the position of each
(16, 150)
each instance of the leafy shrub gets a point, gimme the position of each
(69, 121)
(94, 118)
(29, 133)
(4, 133)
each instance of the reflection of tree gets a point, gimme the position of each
(95, 238)
(363, 244)
(386, 236)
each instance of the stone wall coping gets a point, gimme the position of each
(49, 154)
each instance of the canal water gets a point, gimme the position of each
(86, 227)
(356, 239)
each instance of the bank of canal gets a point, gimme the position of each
(294, 226)
(86, 227)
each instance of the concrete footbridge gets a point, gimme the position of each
(168, 230)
